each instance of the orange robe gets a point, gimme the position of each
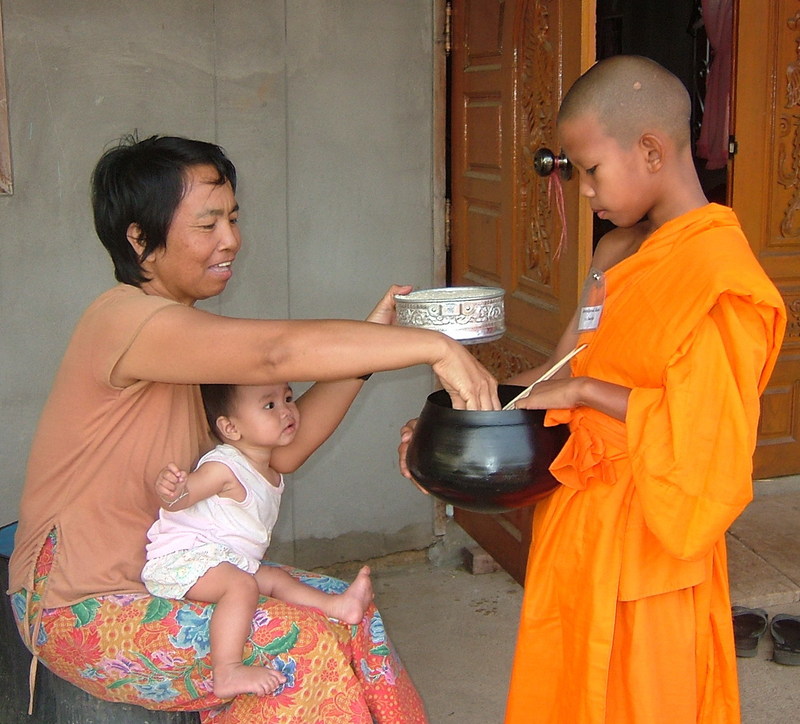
(626, 615)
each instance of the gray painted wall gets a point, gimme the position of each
(326, 107)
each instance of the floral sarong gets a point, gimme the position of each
(154, 652)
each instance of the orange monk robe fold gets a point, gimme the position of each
(626, 614)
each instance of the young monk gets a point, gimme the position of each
(626, 615)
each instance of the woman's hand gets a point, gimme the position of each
(406, 434)
(384, 310)
(467, 381)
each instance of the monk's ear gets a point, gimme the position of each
(227, 428)
(652, 148)
(136, 238)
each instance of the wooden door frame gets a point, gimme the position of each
(441, 41)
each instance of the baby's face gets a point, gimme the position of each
(616, 180)
(266, 415)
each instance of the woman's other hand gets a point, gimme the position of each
(384, 309)
(406, 433)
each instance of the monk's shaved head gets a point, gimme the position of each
(631, 95)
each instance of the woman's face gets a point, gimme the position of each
(202, 242)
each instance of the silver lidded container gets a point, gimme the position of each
(467, 314)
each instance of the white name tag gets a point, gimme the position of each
(589, 318)
(593, 296)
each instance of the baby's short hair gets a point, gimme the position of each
(218, 401)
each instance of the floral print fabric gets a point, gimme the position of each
(154, 652)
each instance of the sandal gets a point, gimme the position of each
(785, 630)
(749, 625)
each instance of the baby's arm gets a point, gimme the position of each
(322, 408)
(178, 489)
(325, 404)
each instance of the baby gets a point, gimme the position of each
(215, 525)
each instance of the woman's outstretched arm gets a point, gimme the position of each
(183, 345)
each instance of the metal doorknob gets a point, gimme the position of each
(545, 162)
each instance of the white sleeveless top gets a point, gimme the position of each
(244, 527)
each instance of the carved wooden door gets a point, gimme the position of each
(766, 196)
(510, 60)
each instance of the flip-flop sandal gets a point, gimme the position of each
(785, 630)
(749, 625)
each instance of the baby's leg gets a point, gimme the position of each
(236, 594)
(347, 607)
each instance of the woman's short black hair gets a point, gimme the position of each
(218, 401)
(143, 182)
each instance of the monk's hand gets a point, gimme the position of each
(565, 394)
(406, 433)
(467, 381)
(553, 394)
(384, 312)
(549, 394)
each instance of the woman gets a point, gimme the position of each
(126, 402)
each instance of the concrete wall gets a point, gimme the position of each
(326, 108)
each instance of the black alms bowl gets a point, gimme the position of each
(484, 460)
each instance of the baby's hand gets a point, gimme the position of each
(171, 484)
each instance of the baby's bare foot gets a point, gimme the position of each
(349, 606)
(234, 679)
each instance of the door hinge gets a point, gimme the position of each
(448, 35)
(733, 146)
(447, 207)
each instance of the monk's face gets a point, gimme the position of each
(615, 179)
